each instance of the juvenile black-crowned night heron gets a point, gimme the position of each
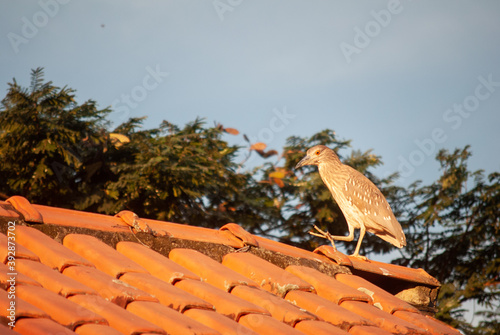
(363, 205)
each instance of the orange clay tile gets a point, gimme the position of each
(104, 257)
(224, 303)
(167, 294)
(7, 212)
(108, 287)
(428, 323)
(312, 327)
(8, 277)
(289, 250)
(51, 253)
(208, 269)
(117, 317)
(236, 232)
(192, 233)
(269, 276)
(23, 206)
(393, 271)
(327, 310)
(40, 327)
(168, 319)
(134, 221)
(267, 325)
(382, 319)
(14, 250)
(280, 309)
(72, 218)
(154, 262)
(89, 329)
(20, 309)
(58, 308)
(334, 254)
(7, 331)
(52, 279)
(367, 330)
(326, 286)
(217, 321)
(381, 298)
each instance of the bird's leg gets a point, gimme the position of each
(332, 238)
(324, 234)
(362, 231)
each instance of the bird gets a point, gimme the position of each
(362, 203)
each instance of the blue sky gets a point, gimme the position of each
(404, 78)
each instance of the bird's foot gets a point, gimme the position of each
(360, 257)
(324, 234)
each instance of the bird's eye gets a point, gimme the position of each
(317, 153)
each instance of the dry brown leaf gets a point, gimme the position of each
(258, 146)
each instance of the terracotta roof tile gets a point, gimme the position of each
(23, 206)
(52, 279)
(224, 303)
(117, 317)
(167, 318)
(8, 213)
(192, 233)
(17, 251)
(157, 264)
(312, 327)
(90, 329)
(288, 249)
(58, 308)
(393, 271)
(6, 331)
(113, 283)
(41, 327)
(108, 287)
(166, 293)
(267, 325)
(368, 330)
(426, 322)
(71, 218)
(208, 269)
(381, 298)
(217, 321)
(269, 276)
(327, 310)
(104, 257)
(280, 309)
(20, 309)
(328, 287)
(382, 319)
(9, 277)
(49, 251)
(235, 232)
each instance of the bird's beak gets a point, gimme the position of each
(303, 161)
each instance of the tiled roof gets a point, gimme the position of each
(77, 272)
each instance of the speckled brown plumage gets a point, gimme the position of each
(361, 202)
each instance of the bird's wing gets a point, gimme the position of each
(378, 216)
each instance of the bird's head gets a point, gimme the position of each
(316, 155)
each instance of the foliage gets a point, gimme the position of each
(48, 143)
(455, 226)
(56, 152)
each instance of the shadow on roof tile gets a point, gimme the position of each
(117, 317)
(270, 277)
(108, 287)
(104, 257)
(208, 269)
(157, 264)
(50, 252)
(58, 308)
(168, 319)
